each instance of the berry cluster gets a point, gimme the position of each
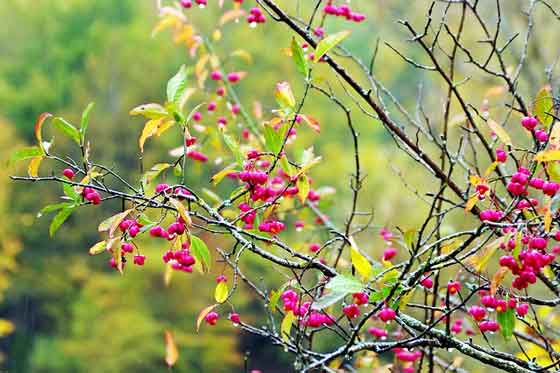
(343, 11)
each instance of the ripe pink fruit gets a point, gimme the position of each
(453, 287)
(234, 317)
(139, 259)
(389, 253)
(477, 312)
(234, 77)
(360, 298)
(522, 309)
(211, 318)
(427, 282)
(351, 311)
(221, 278)
(216, 75)
(314, 247)
(489, 326)
(529, 123)
(501, 155)
(161, 188)
(127, 247)
(377, 332)
(386, 314)
(69, 173)
(186, 4)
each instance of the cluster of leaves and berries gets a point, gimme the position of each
(420, 290)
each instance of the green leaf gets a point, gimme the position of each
(507, 322)
(286, 326)
(52, 208)
(26, 153)
(233, 145)
(344, 283)
(150, 111)
(68, 129)
(329, 43)
(70, 192)
(328, 299)
(274, 139)
(84, 123)
(154, 172)
(59, 219)
(299, 57)
(177, 85)
(544, 104)
(273, 300)
(200, 252)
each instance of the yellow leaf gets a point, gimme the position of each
(150, 129)
(362, 265)
(243, 54)
(471, 202)
(33, 168)
(547, 156)
(221, 292)
(286, 326)
(219, 176)
(168, 274)
(544, 104)
(480, 261)
(6, 327)
(499, 131)
(171, 352)
(405, 299)
(491, 168)
(303, 187)
(38, 127)
(182, 210)
(203, 314)
(98, 248)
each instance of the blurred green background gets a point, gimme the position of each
(70, 313)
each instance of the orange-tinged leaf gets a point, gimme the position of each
(171, 352)
(362, 265)
(231, 15)
(33, 168)
(221, 292)
(497, 279)
(182, 210)
(38, 127)
(547, 218)
(471, 202)
(547, 156)
(311, 122)
(499, 131)
(203, 314)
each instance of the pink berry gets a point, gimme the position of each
(139, 259)
(69, 173)
(351, 311)
(389, 253)
(211, 318)
(453, 287)
(360, 298)
(386, 314)
(234, 317)
(377, 332)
